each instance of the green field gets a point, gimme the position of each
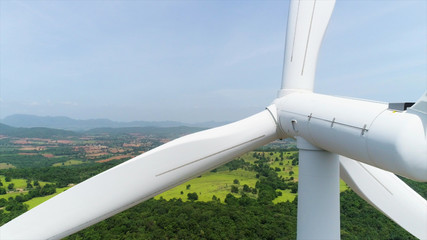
(68, 163)
(286, 196)
(6, 166)
(38, 200)
(210, 184)
(219, 183)
(10, 194)
(248, 157)
(19, 185)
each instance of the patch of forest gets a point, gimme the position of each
(251, 214)
(61, 176)
(238, 218)
(241, 217)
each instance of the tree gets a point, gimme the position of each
(1, 184)
(246, 188)
(29, 185)
(7, 179)
(215, 199)
(266, 193)
(192, 196)
(236, 181)
(293, 186)
(11, 186)
(295, 162)
(2, 191)
(3, 201)
(234, 189)
(230, 199)
(20, 198)
(48, 189)
(188, 186)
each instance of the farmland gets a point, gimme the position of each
(218, 183)
(62, 159)
(253, 196)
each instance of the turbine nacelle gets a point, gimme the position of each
(362, 130)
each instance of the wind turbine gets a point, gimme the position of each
(364, 142)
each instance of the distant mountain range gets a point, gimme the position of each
(29, 126)
(36, 132)
(42, 132)
(66, 123)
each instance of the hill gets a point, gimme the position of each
(42, 132)
(244, 199)
(161, 132)
(35, 132)
(66, 123)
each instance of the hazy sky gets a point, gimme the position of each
(195, 61)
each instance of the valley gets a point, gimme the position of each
(256, 189)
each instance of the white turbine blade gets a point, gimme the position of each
(307, 22)
(387, 193)
(141, 178)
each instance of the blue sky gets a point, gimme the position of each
(195, 61)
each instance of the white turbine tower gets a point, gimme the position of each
(363, 142)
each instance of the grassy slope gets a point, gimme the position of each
(38, 200)
(219, 183)
(22, 183)
(68, 163)
(206, 186)
(19, 184)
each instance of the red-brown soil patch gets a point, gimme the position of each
(114, 158)
(21, 141)
(64, 141)
(131, 144)
(95, 155)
